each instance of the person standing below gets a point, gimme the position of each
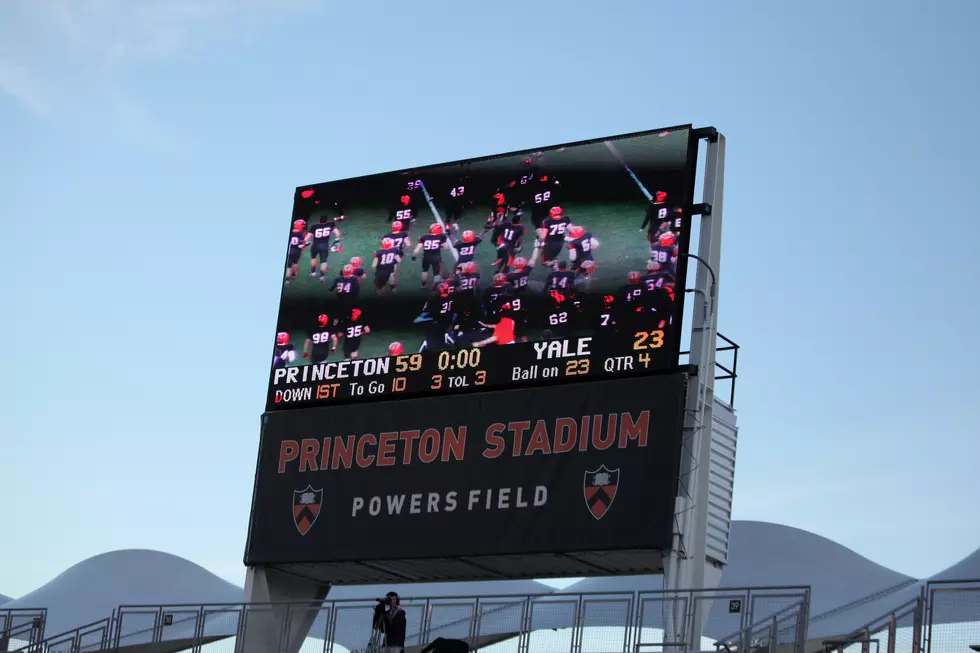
(390, 620)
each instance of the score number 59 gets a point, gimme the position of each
(644, 340)
(411, 363)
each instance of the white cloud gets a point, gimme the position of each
(66, 59)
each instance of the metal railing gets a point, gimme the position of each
(900, 630)
(597, 622)
(952, 616)
(21, 625)
(786, 628)
(94, 636)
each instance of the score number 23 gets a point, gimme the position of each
(643, 340)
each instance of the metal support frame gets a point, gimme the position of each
(728, 373)
(687, 563)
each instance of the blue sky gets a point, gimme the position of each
(137, 329)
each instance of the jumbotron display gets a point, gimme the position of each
(550, 266)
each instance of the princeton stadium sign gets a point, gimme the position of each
(590, 467)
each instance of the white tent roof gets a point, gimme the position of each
(93, 588)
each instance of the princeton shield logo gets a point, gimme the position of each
(600, 490)
(306, 508)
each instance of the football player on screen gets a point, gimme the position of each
(323, 340)
(285, 352)
(498, 209)
(628, 306)
(562, 309)
(404, 211)
(399, 236)
(551, 237)
(581, 250)
(656, 277)
(664, 252)
(543, 197)
(519, 277)
(322, 233)
(560, 278)
(466, 287)
(297, 243)
(503, 327)
(430, 246)
(439, 316)
(358, 264)
(495, 295)
(457, 201)
(466, 247)
(509, 238)
(348, 289)
(657, 218)
(352, 330)
(385, 266)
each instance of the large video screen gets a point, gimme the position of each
(553, 265)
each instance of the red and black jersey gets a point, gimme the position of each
(405, 210)
(296, 241)
(562, 309)
(322, 232)
(543, 195)
(655, 280)
(510, 235)
(443, 311)
(499, 200)
(664, 255)
(493, 299)
(662, 216)
(387, 259)
(321, 338)
(279, 354)
(518, 279)
(628, 306)
(582, 247)
(457, 195)
(399, 239)
(467, 282)
(467, 250)
(352, 333)
(557, 228)
(432, 245)
(561, 280)
(346, 287)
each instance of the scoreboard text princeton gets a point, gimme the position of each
(559, 361)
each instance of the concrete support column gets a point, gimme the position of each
(291, 605)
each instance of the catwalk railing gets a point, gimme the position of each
(898, 631)
(944, 618)
(21, 627)
(784, 630)
(603, 622)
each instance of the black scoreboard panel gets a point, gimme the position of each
(547, 266)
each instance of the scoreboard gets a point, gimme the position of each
(547, 266)
(460, 370)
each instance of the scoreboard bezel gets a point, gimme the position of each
(671, 351)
